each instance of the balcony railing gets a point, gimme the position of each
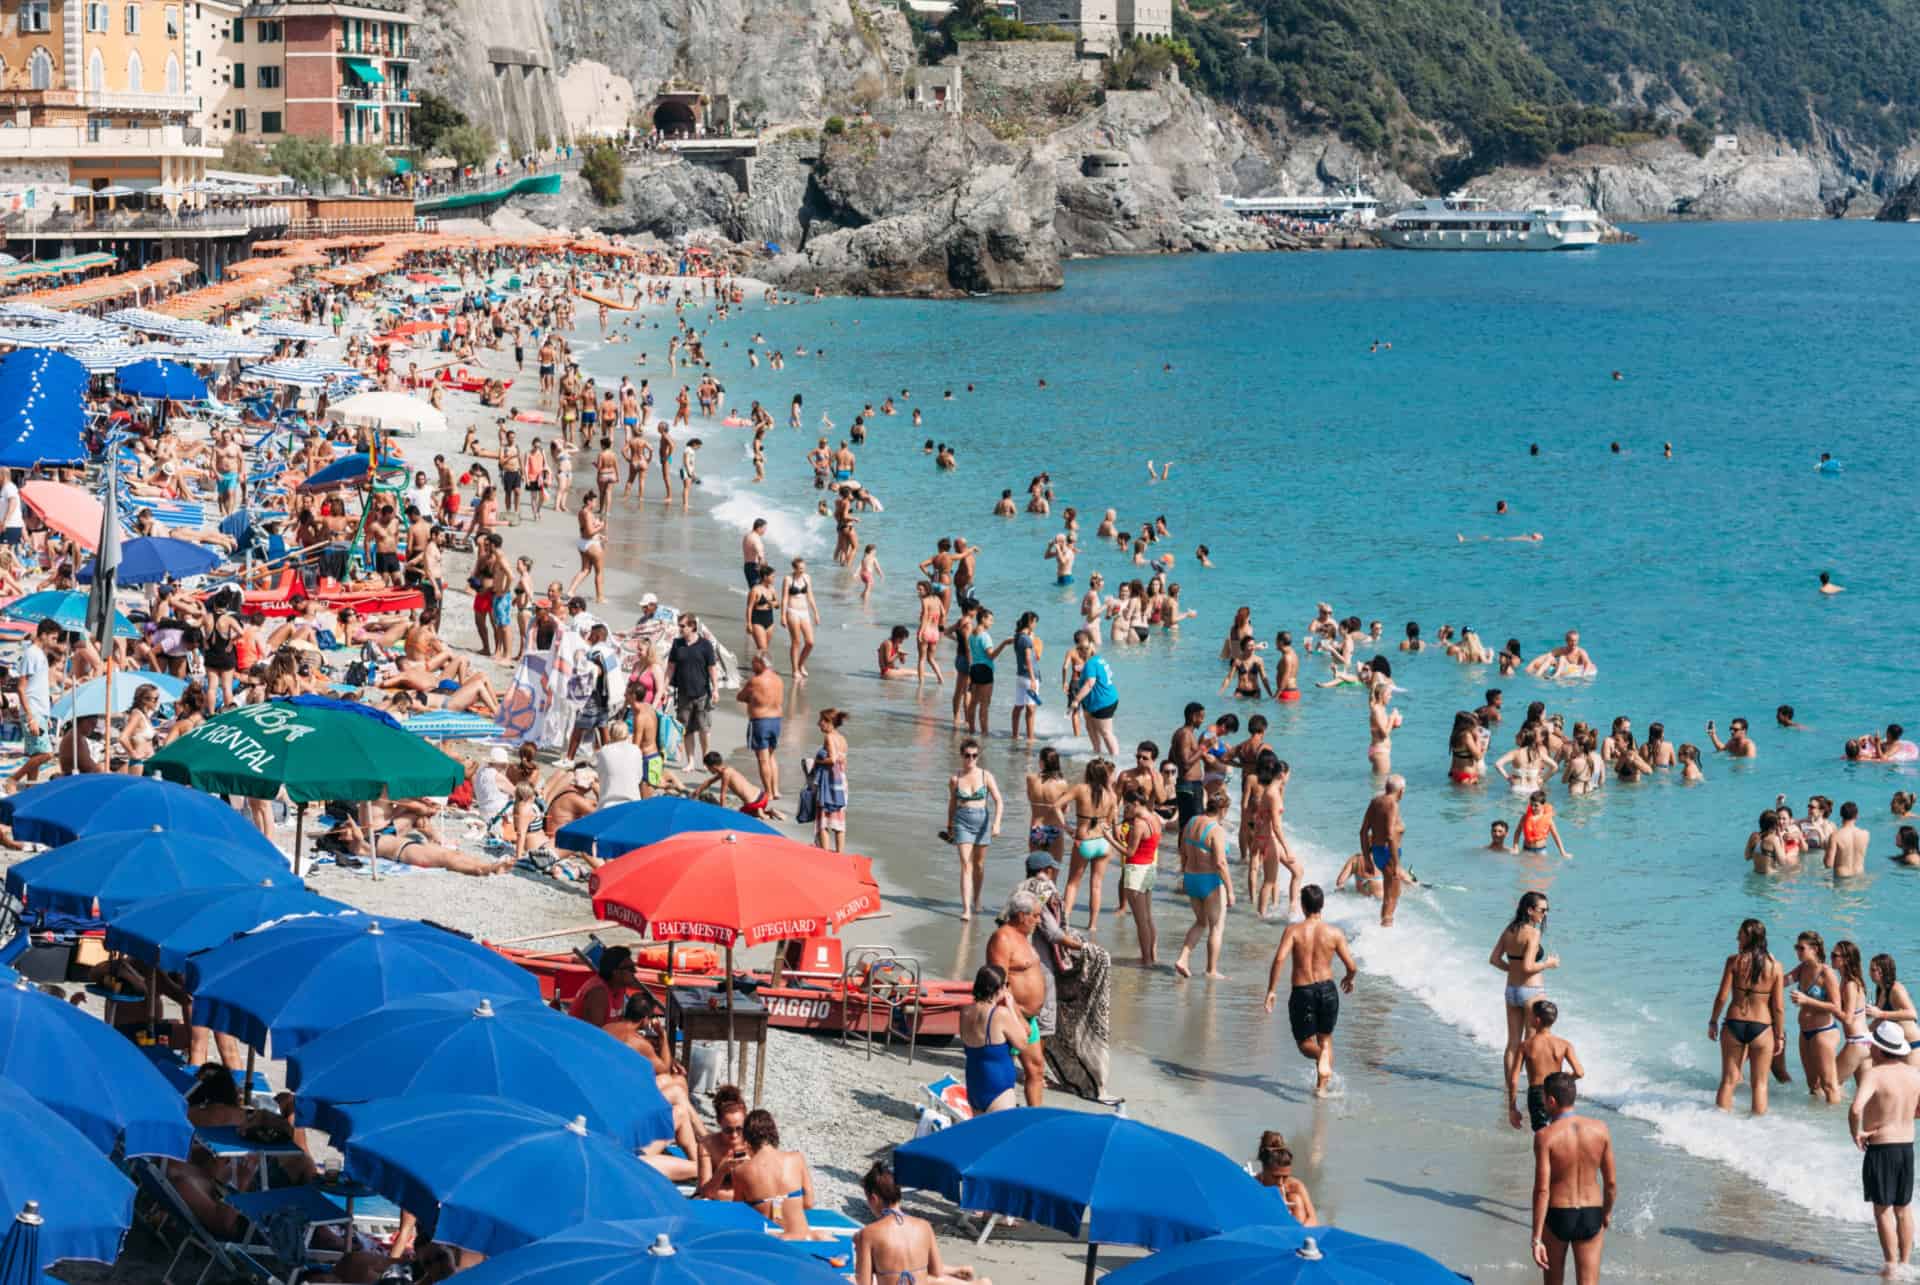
(370, 49)
(134, 222)
(398, 97)
(100, 100)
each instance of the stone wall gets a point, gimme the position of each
(1019, 65)
(595, 98)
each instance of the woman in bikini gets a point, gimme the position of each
(1752, 981)
(1519, 954)
(974, 807)
(136, 733)
(1207, 883)
(1140, 829)
(933, 613)
(606, 471)
(1527, 764)
(1820, 1037)
(1849, 1008)
(1047, 795)
(1240, 633)
(801, 614)
(592, 548)
(761, 603)
(1095, 806)
(1270, 844)
(895, 1248)
(1765, 849)
(777, 1183)
(562, 472)
(1381, 720)
(1890, 999)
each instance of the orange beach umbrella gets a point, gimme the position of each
(66, 509)
(732, 887)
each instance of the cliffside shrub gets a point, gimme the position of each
(835, 126)
(433, 116)
(604, 173)
(468, 144)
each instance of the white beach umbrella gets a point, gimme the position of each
(394, 412)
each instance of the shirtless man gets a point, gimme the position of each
(1564, 661)
(1286, 678)
(764, 695)
(1543, 1054)
(1881, 1121)
(1568, 1213)
(1029, 981)
(1738, 744)
(230, 466)
(1846, 853)
(753, 552)
(1313, 1006)
(1061, 553)
(1381, 831)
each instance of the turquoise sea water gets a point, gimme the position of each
(1315, 469)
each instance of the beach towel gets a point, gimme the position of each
(1078, 1050)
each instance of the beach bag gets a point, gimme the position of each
(670, 732)
(807, 810)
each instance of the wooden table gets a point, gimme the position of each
(700, 1013)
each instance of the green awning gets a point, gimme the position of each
(365, 72)
(400, 164)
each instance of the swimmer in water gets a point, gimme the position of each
(1827, 585)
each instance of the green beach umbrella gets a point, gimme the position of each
(315, 749)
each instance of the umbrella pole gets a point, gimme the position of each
(246, 1095)
(299, 828)
(1093, 1260)
(106, 745)
(729, 1011)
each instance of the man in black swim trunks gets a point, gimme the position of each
(1881, 1120)
(1313, 1006)
(1571, 1206)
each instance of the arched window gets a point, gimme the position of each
(173, 74)
(96, 72)
(136, 72)
(40, 70)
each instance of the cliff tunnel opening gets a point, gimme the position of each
(674, 120)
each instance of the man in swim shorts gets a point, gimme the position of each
(1881, 1121)
(1313, 1005)
(1191, 760)
(1543, 1054)
(1574, 1187)
(1286, 677)
(1381, 830)
(1029, 980)
(763, 694)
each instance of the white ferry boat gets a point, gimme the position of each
(1465, 223)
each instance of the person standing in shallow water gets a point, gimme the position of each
(1208, 884)
(1313, 1005)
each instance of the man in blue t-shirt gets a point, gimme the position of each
(1096, 697)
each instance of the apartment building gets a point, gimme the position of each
(336, 72)
(94, 93)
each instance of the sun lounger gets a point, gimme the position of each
(174, 1225)
(227, 1143)
(949, 1099)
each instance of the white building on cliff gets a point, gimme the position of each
(1101, 24)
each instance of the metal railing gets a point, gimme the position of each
(311, 228)
(373, 94)
(450, 183)
(127, 222)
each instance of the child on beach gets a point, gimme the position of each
(893, 652)
(869, 572)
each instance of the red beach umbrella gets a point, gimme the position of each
(727, 886)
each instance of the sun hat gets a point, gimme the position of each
(1041, 860)
(1889, 1039)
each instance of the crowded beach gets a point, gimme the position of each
(359, 779)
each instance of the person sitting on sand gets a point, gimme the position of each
(777, 1183)
(897, 1248)
(725, 1149)
(724, 779)
(1276, 1171)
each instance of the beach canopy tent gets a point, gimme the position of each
(152, 559)
(89, 700)
(89, 1074)
(1283, 1255)
(625, 826)
(72, 807)
(1133, 1184)
(116, 868)
(295, 981)
(698, 1245)
(65, 607)
(484, 1160)
(159, 379)
(166, 930)
(394, 412)
(487, 1045)
(50, 1172)
(42, 409)
(317, 750)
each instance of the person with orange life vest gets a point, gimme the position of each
(1537, 826)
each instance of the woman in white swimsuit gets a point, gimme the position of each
(593, 553)
(802, 614)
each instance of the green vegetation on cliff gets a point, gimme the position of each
(1515, 80)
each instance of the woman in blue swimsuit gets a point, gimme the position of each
(993, 1035)
(1206, 881)
(1820, 1038)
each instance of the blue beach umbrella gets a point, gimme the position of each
(119, 867)
(1281, 1255)
(66, 608)
(90, 699)
(72, 807)
(470, 1043)
(348, 470)
(159, 379)
(504, 1174)
(1136, 1184)
(298, 980)
(687, 1250)
(151, 559)
(89, 1074)
(20, 1248)
(84, 1203)
(166, 930)
(626, 826)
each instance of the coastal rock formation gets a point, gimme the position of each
(1904, 205)
(492, 60)
(930, 205)
(1758, 179)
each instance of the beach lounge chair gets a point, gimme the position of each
(165, 1213)
(949, 1098)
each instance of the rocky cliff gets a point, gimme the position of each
(492, 59)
